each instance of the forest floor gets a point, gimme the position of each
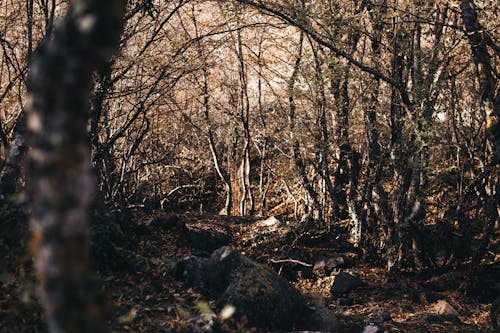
(147, 298)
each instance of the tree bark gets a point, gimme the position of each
(314, 208)
(223, 174)
(60, 180)
(247, 204)
(11, 171)
(488, 82)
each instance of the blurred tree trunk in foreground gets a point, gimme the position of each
(61, 184)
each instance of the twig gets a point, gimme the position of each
(293, 261)
(180, 188)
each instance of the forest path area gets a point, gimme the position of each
(147, 297)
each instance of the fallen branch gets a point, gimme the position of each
(293, 261)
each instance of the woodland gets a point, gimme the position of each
(249, 166)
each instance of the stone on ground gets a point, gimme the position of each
(255, 291)
(344, 283)
(444, 308)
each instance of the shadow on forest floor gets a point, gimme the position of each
(146, 297)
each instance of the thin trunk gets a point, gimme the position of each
(490, 100)
(339, 200)
(264, 173)
(223, 175)
(314, 208)
(100, 158)
(29, 12)
(321, 102)
(213, 150)
(3, 138)
(247, 198)
(12, 170)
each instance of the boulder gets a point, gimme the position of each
(270, 224)
(255, 291)
(265, 231)
(324, 266)
(322, 319)
(344, 283)
(191, 270)
(444, 308)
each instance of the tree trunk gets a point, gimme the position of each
(11, 171)
(247, 204)
(223, 174)
(314, 207)
(490, 98)
(60, 181)
(324, 160)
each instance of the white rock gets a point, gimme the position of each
(269, 222)
(370, 329)
(444, 308)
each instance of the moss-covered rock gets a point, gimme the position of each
(266, 299)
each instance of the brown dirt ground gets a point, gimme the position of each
(149, 299)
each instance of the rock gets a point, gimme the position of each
(111, 249)
(444, 308)
(265, 298)
(191, 269)
(372, 329)
(322, 318)
(255, 291)
(266, 230)
(324, 266)
(204, 323)
(271, 224)
(344, 283)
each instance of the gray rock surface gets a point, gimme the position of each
(444, 308)
(325, 265)
(266, 299)
(344, 283)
